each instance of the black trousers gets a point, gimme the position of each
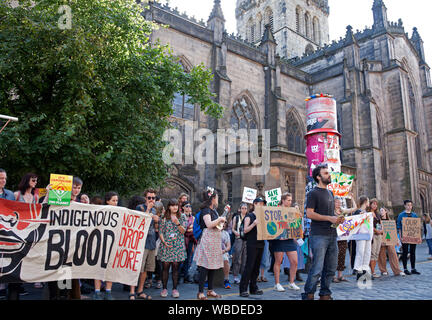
(252, 268)
(352, 250)
(412, 250)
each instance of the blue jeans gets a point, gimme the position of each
(429, 242)
(324, 264)
(184, 271)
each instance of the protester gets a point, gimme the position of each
(226, 247)
(320, 209)
(190, 241)
(408, 204)
(264, 262)
(8, 195)
(289, 247)
(160, 211)
(97, 200)
(172, 248)
(208, 254)
(149, 258)
(377, 237)
(26, 193)
(5, 193)
(428, 222)
(182, 199)
(111, 199)
(390, 251)
(363, 247)
(254, 248)
(239, 252)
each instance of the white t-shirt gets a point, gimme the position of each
(428, 231)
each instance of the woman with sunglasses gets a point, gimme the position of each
(25, 193)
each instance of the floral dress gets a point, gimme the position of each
(174, 238)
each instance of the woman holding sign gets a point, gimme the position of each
(254, 253)
(289, 247)
(390, 250)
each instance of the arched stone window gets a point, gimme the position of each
(243, 115)
(181, 107)
(250, 30)
(298, 15)
(268, 19)
(259, 27)
(309, 49)
(295, 133)
(307, 25)
(316, 30)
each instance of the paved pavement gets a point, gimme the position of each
(413, 287)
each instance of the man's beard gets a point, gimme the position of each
(326, 182)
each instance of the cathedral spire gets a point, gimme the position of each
(418, 44)
(380, 15)
(217, 11)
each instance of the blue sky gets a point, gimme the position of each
(357, 13)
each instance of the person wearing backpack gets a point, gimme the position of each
(208, 255)
(254, 252)
(239, 252)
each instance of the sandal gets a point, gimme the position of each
(146, 297)
(201, 296)
(212, 294)
(132, 295)
(336, 280)
(264, 279)
(159, 285)
(148, 285)
(259, 279)
(343, 279)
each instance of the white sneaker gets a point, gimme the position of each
(402, 274)
(293, 286)
(279, 288)
(385, 273)
(236, 280)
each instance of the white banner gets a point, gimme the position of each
(40, 243)
(358, 227)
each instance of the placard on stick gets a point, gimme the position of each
(60, 194)
(278, 223)
(411, 231)
(273, 197)
(390, 237)
(249, 195)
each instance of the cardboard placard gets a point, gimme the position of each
(279, 223)
(249, 195)
(390, 237)
(341, 184)
(61, 192)
(411, 231)
(273, 197)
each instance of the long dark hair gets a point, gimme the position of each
(109, 195)
(25, 183)
(172, 202)
(208, 196)
(135, 201)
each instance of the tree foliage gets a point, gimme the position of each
(92, 100)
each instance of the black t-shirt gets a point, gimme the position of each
(251, 236)
(213, 214)
(322, 202)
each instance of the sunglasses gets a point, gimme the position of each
(188, 206)
(34, 180)
(151, 198)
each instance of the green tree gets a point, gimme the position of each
(92, 100)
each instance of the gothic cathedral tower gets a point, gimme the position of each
(299, 26)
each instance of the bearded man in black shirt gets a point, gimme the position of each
(323, 237)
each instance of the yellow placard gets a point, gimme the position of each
(61, 182)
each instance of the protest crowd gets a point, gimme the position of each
(193, 247)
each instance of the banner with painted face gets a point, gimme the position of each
(278, 223)
(358, 227)
(40, 243)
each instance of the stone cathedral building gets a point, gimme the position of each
(378, 76)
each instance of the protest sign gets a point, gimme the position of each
(61, 190)
(41, 243)
(249, 195)
(411, 230)
(358, 227)
(273, 197)
(41, 192)
(341, 184)
(390, 237)
(279, 223)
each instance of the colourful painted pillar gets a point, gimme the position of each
(322, 139)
